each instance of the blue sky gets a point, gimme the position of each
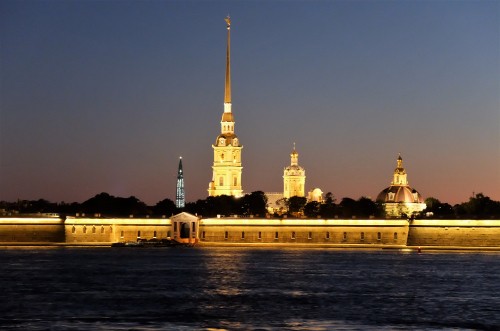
(104, 96)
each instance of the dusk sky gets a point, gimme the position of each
(104, 96)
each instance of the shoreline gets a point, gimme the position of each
(350, 247)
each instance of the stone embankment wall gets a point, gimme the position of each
(461, 233)
(110, 230)
(303, 231)
(440, 233)
(31, 230)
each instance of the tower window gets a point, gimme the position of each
(221, 181)
(73, 230)
(293, 235)
(276, 235)
(395, 236)
(310, 235)
(235, 181)
(154, 234)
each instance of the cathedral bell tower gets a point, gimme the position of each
(294, 177)
(226, 178)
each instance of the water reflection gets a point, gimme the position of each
(247, 288)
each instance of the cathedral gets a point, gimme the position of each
(226, 177)
(400, 198)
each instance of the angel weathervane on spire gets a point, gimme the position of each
(228, 21)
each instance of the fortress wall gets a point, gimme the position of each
(15, 230)
(100, 230)
(303, 231)
(464, 233)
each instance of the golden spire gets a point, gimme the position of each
(227, 89)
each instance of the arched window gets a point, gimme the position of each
(73, 229)
(221, 181)
(235, 181)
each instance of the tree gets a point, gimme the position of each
(328, 209)
(296, 205)
(312, 209)
(254, 203)
(165, 207)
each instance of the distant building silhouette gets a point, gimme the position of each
(180, 197)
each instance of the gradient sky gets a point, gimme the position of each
(104, 96)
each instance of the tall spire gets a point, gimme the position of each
(227, 87)
(180, 200)
(294, 157)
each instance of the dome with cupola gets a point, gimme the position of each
(400, 199)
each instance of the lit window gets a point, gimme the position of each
(154, 234)
(138, 234)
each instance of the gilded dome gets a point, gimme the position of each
(397, 193)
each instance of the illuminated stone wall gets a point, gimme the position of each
(465, 233)
(31, 230)
(99, 230)
(303, 231)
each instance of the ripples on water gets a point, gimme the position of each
(247, 289)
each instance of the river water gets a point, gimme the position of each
(247, 289)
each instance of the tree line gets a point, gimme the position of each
(250, 205)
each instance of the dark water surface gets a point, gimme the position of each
(247, 289)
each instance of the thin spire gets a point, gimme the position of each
(227, 88)
(180, 196)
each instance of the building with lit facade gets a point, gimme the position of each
(294, 177)
(227, 169)
(400, 199)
